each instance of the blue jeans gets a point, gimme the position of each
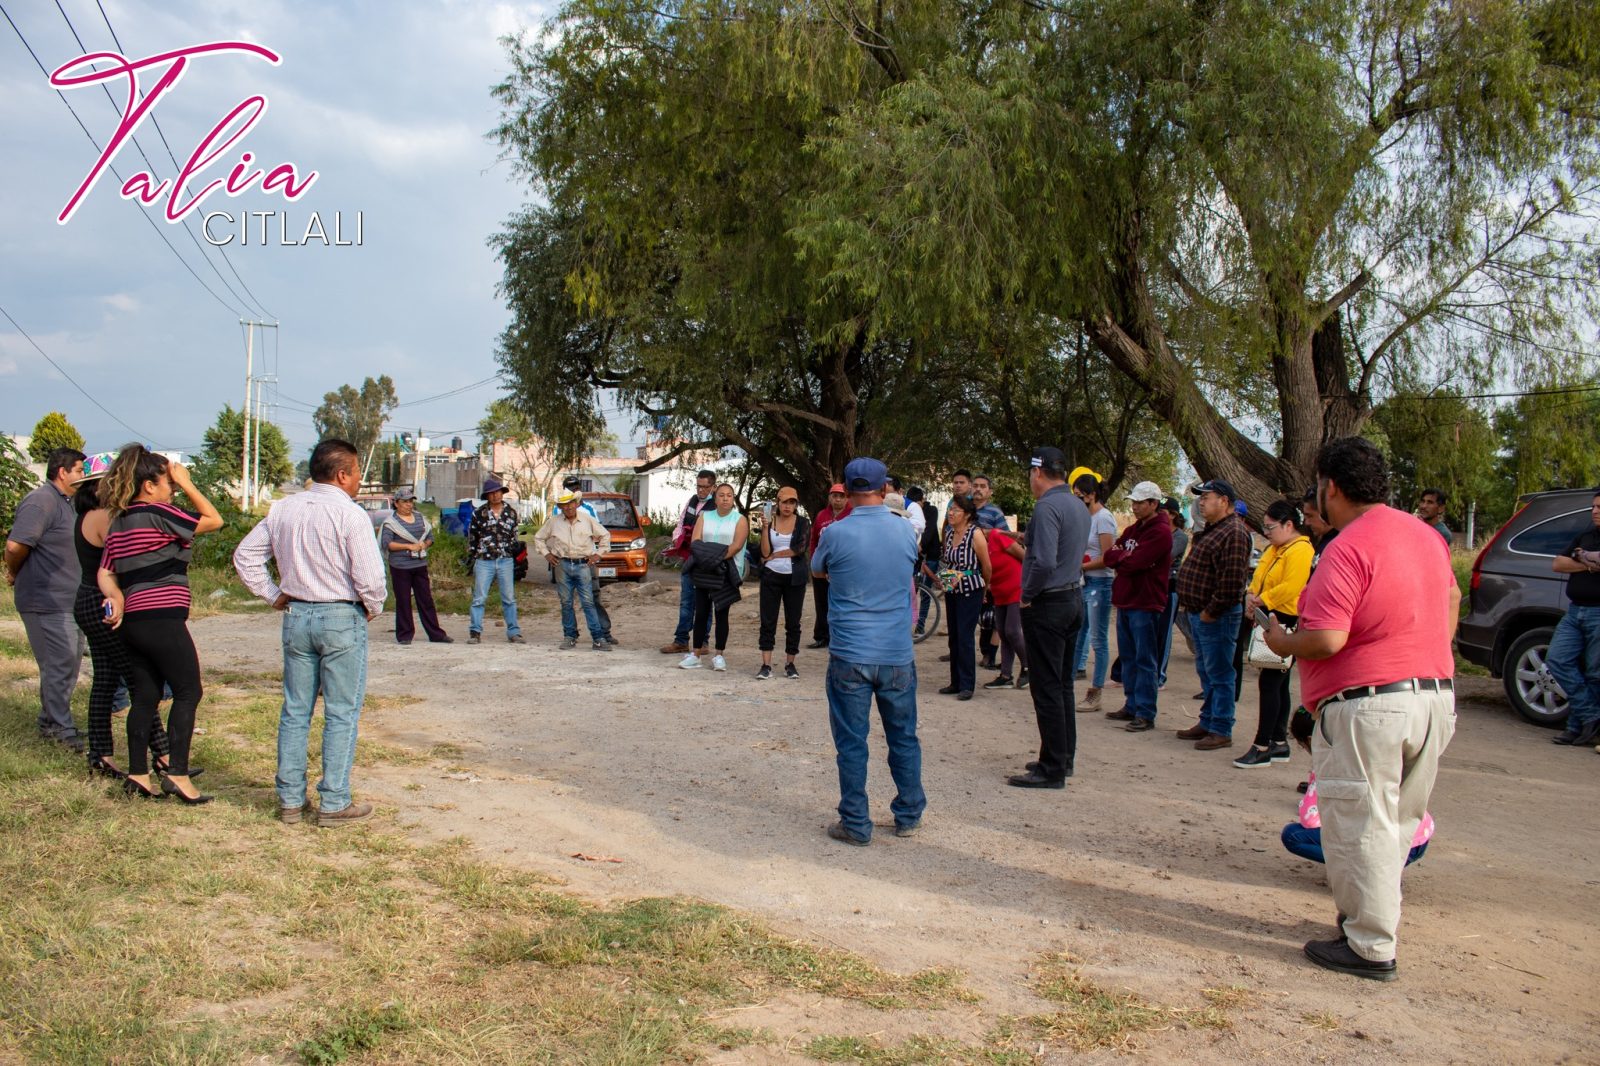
(1096, 629)
(685, 609)
(1213, 660)
(486, 572)
(1139, 645)
(1164, 628)
(850, 688)
(574, 576)
(1574, 661)
(324, 650)
(1307, 844)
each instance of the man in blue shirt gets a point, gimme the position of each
(868, 562)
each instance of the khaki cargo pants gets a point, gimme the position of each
(1376, 759)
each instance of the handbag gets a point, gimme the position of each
(1258, 655)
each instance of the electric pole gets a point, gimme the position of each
(249, 411)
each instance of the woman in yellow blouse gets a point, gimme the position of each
(1284, 569)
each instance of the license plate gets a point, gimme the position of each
(608, 571)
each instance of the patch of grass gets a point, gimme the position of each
(151, 933)
(1325, 1020)
(1095, 1017)
(916, 1051)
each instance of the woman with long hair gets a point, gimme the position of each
(144, 573)
(1280, 576)
(106, 652)
(963, 574)
(721, 524)
(783, 581)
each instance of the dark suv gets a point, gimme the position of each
(1517, 599)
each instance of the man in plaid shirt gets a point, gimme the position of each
(1211, 586)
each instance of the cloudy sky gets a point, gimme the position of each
(388, 102)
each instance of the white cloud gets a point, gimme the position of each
(122, 301)
(8, 366)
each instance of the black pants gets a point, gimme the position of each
(1240, 646)
(1008, 624)
(161, 652)
(781, 590)
(819, 599)
(963, 610)
(409, 582)
(1273, 726)
(702, 621)
(986, 638)
(1050, 627)
(110, 660)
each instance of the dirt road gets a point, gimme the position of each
(1159, 867)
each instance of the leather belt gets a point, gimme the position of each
(1410, 684)
(349, 603)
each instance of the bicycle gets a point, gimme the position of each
(930, 608)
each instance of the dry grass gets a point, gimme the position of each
(1095, 1017)
(140, 932)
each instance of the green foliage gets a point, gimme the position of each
(51, 432)
(354, 416)
(1550, 436)
(358, 1030)
(1441, 441)
(16, 480)
(219, 463)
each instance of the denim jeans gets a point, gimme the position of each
(324, 650)
(486, 572)
(1164, 631)
(685, 610)
(574, 576)
(1307, 844)
(1096, 631)
(1213, 661)
(1139, 645)
(1574, 661)
(850, 688)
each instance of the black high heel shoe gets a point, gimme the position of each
(161, 768)
(133, 788)
(98, 765)
(173, 790)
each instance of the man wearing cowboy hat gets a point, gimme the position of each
(492, 547)
(42, 564)
(572, 542)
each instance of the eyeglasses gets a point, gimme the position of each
(1269, 529)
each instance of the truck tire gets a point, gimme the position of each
(1533, 693)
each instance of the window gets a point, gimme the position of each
(614, 513)
(1552, 536)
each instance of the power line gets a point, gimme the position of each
(221, 251)
(452, 392)
(142, 213)
(70, 378)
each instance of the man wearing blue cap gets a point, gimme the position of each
(868, 562)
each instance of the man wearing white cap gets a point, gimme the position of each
(1142, 557)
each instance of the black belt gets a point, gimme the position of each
(1070, 586)
(1410, 684)
(349, 603)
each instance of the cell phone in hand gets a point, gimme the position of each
(1263, 619)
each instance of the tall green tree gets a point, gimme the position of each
(357, 416)
(1442, 441)
(16, 481)
(1549, 436)
(219, 462)
(51, 432)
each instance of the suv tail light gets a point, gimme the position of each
(1477, 564)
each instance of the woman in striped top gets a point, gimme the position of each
(144, 573)
(964, 573)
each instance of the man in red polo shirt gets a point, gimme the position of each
(1376, 667)
(838, 507)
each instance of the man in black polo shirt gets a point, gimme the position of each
(1574, 655)
(1052, 612)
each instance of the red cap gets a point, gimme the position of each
(836, 487)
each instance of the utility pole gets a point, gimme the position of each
(252, 399)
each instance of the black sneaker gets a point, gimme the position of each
(1000, 682)
(1279, 752)
(1022, 679)
(601, 645)
(765, 673)
(790, 673)
(474, 638)
(1253, 758)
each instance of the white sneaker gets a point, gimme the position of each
(718, 663)
(690, 662)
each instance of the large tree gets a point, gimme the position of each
(53, 431)
(357, 416)
(219, 463)
(676, 154)
(1549, 436)
(1260, 214)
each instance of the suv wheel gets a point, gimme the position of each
(1530, 688)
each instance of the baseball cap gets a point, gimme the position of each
(1145, 490)
(1048, 458)
(836, 487)
(405, 494)
(1079, 471)
(1241, 507)
(1216, 485)
(865, 474)
(896, 503)
(1171, 504)
(787, 493)
(571, 481)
